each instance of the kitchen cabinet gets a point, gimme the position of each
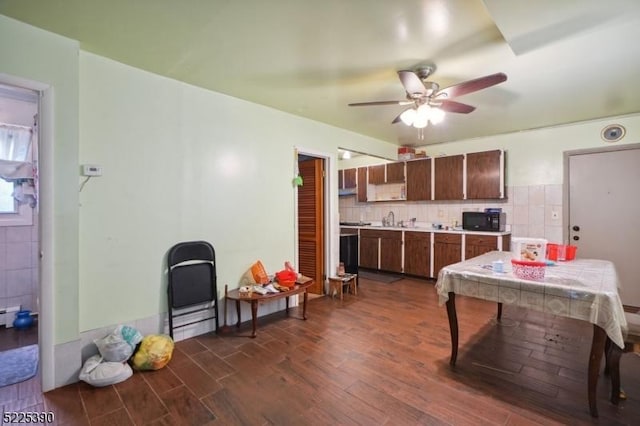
(448, 177)
(391, 251)
(417, 253)
(485, 175)
(369, 248)
(419, 180)
(386, 173)
(347, 179)
(475, 245)
(381, 250)
(447, 249)
(395, 172)
(350, 178)
(376, 174)
(361, 191)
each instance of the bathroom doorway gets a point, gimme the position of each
(19, 220)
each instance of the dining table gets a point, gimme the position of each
(583, 289)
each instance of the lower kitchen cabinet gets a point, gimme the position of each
(391, 251)
(369, 249)
(447, 249)
(417, 253)
(475, 245)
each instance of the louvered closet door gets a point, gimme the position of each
(311, 223)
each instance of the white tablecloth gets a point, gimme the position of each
(584, 289)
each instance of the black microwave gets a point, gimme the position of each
(481, 221)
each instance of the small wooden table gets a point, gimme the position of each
(338, 283)
(301, 286)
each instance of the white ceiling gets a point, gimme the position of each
(566, 60)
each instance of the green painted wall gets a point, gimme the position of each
(38, 56)
(182, 163)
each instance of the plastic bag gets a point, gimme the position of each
(100, 373)
(259, 273)
(154, 352)
(119, 345)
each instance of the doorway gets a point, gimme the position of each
(602, 209)
(19, 223)
(311, 220)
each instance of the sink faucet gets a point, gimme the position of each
(391, 219)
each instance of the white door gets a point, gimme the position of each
(604, 212)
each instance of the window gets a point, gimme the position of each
(16, 176)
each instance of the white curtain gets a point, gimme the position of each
(15, 162)
(15, 142)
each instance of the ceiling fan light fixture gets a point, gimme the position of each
(422, 116)
(408, 116)
(436, 115)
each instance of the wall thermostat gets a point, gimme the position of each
(91, 170)
(612, 133)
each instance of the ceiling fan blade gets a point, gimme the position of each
(403, 102)
(472, 85)
(397, 119)
(452, 106)
(412, 83)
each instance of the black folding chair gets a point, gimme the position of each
(192, 281)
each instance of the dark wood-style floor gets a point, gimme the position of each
(379, 358)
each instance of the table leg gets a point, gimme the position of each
(453, 327)
(595, 358)
(286, 305)
(304, 305)
(499, 317)
(254, 316)
(613, 368)
(238, 312)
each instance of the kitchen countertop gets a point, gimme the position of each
(424, 229)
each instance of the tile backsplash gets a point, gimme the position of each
(532, 211)
(19, 283)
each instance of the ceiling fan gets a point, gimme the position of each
(428, 102)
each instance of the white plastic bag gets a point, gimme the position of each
(119, 345)
(98, 373)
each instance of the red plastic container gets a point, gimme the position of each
(561, 252)
(528, 270)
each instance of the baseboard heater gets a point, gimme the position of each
(7, 315)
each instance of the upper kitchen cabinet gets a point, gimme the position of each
(419, 180)
(362, 185)
(386, 173)
(448, 177)
(347, 181)
(485, 175)
(395, 172)
(376, 174)
(350, 178)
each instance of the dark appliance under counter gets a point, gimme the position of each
(349, 252)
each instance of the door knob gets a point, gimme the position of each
(576, 228)
(576, 238)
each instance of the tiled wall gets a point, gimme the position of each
(19, 283)
(530, 211)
